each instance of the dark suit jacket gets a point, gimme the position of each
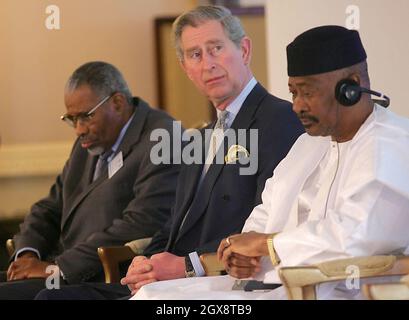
(79, 215)
(225, 198)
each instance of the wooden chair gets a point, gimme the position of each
(211, 264)
(10, 247)
(300, 282)
(111, 257)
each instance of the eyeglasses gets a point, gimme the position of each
(83, 117)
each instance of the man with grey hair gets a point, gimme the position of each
(108, 193)
(215, 53)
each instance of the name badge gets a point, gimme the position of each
(115, 164)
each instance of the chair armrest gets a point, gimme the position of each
(300, 282)
(211, 264)
(138, 246)
(10, 247)
(111, 257)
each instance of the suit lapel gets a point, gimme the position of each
(243, 120)
(193, 174)
(130, 138)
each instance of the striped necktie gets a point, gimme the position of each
(101, 164)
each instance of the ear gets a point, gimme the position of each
(119, 102)
(356, 77)
(353, 76)
(246, 49)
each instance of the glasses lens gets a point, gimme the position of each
(84, 117)
(68, 120)
(72, 121)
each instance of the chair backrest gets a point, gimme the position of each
(10, 247)
(300, 282)
(111, 257)
(138, 246)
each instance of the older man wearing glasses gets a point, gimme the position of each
(108, 193)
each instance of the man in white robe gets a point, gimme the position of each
(342, 191)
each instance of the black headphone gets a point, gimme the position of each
(348, 93)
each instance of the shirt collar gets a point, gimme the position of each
(120, 138)
(234, 107)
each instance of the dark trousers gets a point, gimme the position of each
(86, 291)
(30, 289)
(20, 289)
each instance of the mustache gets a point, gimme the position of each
(304, 116)
(84, 136)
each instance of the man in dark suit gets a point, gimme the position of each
(108, 193)
(213, 198)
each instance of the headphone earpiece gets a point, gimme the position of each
(348, 92)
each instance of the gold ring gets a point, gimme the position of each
(228, 241)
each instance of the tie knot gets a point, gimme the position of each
(106, 155)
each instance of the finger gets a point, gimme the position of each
(131, 287)
(13, 271)
(127, 281)
(10, 276)
(10, 271)
(226, 255)
(17, 275)
(21, 275)
(141, 267)
(222, 246)
(226, 266)
(233, 261)
(138, 259)
(241, 273)
(242, 261)
(256, 262)
(142, 283)
(241, 256)
(134, 279)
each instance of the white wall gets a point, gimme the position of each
(36, 62)
(251, 3)
(384, 28)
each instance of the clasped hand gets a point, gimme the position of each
(242, 253)
(27, 266)
(162, 266)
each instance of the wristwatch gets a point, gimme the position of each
(275, 260)
(189, 270)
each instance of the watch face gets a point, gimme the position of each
(188, 265)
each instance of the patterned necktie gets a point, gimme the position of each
(221, 120)
(101, 164)
(217, 138)
(218, 134)
(215, 142)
